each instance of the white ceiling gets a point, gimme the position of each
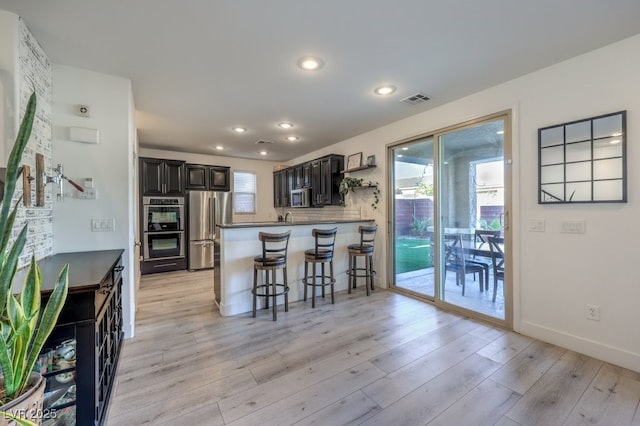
(200, 67)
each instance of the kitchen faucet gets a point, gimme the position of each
(286, 215)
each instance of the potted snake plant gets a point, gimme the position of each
(24, 326)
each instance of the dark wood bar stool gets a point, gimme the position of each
(273, 257)
(365, 250)
(322, 253)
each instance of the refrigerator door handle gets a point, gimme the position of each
(209, 217)
(212, 218)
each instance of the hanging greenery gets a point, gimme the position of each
(349, 184)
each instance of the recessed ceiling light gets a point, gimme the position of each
(285, 125)
(310, 63)
(617, 134)
(614, 141)
(239, 129)
(263, 152)
(405, 148)
(385, 90)
(500, 132)
(292, 138)
(219, 147)
(399, 155)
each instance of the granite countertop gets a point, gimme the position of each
(87, 269)
(299, 223)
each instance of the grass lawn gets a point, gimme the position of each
(412, 255)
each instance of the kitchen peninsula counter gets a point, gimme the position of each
(239, 244)
(294, 223)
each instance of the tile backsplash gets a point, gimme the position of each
(325, 213)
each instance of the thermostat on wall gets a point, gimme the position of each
(83, 134)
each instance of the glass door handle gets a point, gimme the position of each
(504, 220)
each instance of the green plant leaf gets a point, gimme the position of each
(47, 322)
(9, 267)
(30, 295)
(13, 167)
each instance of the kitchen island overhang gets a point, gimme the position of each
(239, 244)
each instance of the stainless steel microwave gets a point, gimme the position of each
(301, 197)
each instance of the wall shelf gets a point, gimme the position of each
(357, 169)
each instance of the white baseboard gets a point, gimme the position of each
(599, 350)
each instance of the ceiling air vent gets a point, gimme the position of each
(263, 143)
(416, 99)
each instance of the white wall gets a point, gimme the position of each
(263, 169)
(109, 163)
(555, 275)
(8, 82)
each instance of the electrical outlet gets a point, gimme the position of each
(592, 312)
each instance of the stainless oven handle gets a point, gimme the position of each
(164, 265)
(164, 232)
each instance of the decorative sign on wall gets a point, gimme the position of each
(583, 161)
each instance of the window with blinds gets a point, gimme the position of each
(244, 189)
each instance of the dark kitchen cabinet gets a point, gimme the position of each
(219, 178)
(302, 176)
(297, 171)
(290, 184)
(162, 177)
(306, 175)
(78, 393)
(325, 180)
(197, 177)
(202, 177)
(323, 176)
(283, 183)
(280, 198)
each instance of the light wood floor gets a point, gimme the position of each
(379, 360)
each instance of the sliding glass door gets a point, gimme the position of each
(445, 213)
(413, 217)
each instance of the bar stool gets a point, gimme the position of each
(322, 253)
(273, 257)
(364, 249)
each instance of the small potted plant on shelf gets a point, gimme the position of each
(349, 184)
(24, 327)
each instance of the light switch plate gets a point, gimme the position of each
(573, 227)
(103, 225)
(87, 194)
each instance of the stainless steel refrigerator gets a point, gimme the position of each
(207, 210)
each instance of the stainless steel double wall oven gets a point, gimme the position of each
(164, 233)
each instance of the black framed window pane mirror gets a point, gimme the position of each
(583, 161)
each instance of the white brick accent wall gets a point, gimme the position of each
(35, 74)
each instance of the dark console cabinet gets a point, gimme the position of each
(92, 319)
